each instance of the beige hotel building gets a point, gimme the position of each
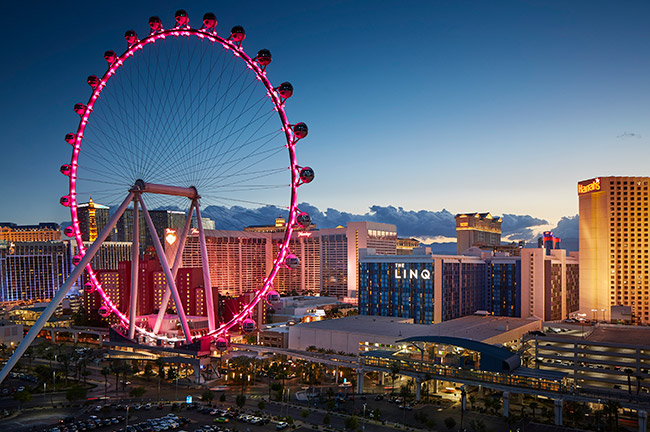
(613, 235)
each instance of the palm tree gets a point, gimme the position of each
(639, 378)
(394, 371)
(629, 373)
(106, 371)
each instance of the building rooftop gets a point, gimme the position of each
(478, 328)
(623, 334)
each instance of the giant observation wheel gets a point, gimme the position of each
(183, 119)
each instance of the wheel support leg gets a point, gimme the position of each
(171, 282)
(135, 268)
(61, 293)
(178, 260)
(207, 284)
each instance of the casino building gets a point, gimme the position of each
(430, 288)
(613, 235)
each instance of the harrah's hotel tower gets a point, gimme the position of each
(613, 234)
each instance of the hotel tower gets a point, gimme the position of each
(613, 234)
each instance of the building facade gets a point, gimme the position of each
(477, 229)
(427, 288)
(93, 218)
(44, 231)
(433, 288)
(33, 270)
(613, 236)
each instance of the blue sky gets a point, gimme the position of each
(426, 105)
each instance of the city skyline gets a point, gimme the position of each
(465, 107)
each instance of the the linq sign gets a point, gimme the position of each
(403, 273)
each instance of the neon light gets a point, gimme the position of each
(590, 187)
(304, 234)
(278, 106)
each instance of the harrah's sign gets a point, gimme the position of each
(592, 186)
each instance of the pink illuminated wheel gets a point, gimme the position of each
(186, 107)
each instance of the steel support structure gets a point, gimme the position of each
(61, 293)
(171, 282)
(207, 284)
(135, 269)
(178, 259)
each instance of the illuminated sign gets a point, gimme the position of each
(589, 187)
(170, 236)
(304, 234)
(402, 273)
(464, 224)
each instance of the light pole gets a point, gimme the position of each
(603, 311)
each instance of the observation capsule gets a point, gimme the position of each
(222, 344)
(238, 34)
(307, 175)
(80, 108)
(110, 56)
(131, 37)
(300, 130)
(303, 219)
(66, 170)
(272, 296)
(285, 90)
(264, 57)
(65, 200)
(181, 18)
(68, 231)
(248, 325)
(70, 138)
(155, 24)
(93, 81)
(292, 261)
(104, 311)
(209, 20)
(76, 259)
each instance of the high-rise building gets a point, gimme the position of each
(405, 246)
(427, 288)
(613, 236)
(433, 288)
(33, 270)
(162, 220)
(93, 218)
(550, 283)
(477, 229)
(240, 260)
(44, 231)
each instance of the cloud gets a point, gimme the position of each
(422, 224)
(567, 227)
(625, 135)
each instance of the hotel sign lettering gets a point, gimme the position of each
(589, 186)
(402, 273)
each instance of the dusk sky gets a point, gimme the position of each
(499, 106)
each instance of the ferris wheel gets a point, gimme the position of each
(183, 119)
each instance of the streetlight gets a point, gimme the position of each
(593, 314)
(603, 311)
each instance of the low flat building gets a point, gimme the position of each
(367, 332)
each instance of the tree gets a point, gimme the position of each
(304, 413)
(351, 423)
(137, 392)
(330, 404)
(472, 400)
(148, 371)
(394, 371)
(450, 423)
(222, 398)
(629, 373)
(22, 397)
(326, 419)
(207, 396)
(261, 404)
(240, 400)
(76, 393)
(106, 371)
(478, 425)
